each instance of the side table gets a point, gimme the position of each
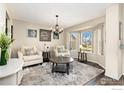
(46, 56)
(82, 56)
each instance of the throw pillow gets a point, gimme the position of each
(60, 50)
(32, 52)
(64, 51)
(29, 51)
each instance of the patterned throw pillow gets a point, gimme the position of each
(64, 51)
(29, 51)
(60, 50)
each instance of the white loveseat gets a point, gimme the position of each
(61, 51)
(33, 55)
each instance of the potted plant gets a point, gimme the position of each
(5, 43)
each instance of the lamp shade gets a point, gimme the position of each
(80, 46)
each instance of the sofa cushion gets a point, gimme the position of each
(60, 50)
(29, 51)
(31, 57)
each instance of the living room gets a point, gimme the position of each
(48, 49)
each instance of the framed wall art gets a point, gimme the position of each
(32, 33)
(45, 35)
(11, 31)
(55, 35)
(120, 30)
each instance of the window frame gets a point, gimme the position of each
(95, 44)
(70, 45)
(92, 40)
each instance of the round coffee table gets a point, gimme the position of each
(61, 60)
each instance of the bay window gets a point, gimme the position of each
(90, 40)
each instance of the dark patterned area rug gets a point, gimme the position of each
(79, 74)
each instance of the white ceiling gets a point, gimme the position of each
(69, 13)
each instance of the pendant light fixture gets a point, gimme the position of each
(57, 29)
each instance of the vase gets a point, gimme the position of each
(3, 60)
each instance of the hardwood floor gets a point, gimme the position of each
(102, 79)
(109, 81)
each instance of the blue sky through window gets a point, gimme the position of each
(87, 36)
(74, 35)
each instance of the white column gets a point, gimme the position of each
(113, 64)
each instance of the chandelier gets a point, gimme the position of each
(57, 29)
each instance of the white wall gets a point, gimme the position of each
(95, 57)
(123, 36)
(3, 10)
(21, 39)
(2, 17)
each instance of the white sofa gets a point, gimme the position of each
(30, 59)
(61, 51)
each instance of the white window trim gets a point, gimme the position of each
(70, 41)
